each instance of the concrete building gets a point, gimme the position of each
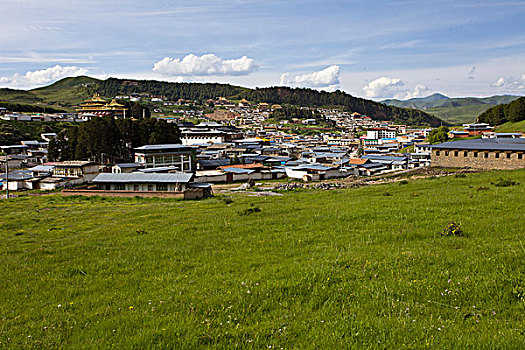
(167, 155)
(495, 153)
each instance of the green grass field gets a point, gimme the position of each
(355, 268)
(512, 127)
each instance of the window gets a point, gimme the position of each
(520, 155)
(486, 154)
(465, 154)
(437, 153)
(475, 154)
(150, 187)
(496, 154)
(446, 153)
(120, 187)
(135, 188)
(162, 187)
(508, 155)
(456, 153)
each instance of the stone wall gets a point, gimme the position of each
(188, 194)
(477, 159)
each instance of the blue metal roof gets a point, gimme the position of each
(495, 144)
(143, 178)
(238, 170)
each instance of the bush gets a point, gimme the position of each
(452, 229)
(460, 175)
(501, 182)
(404, 182)
(250, 210)
(387, 194)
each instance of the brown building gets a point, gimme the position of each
(480, 154)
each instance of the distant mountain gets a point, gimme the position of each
(69, 92)
(453, 110)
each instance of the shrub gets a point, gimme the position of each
(387, 194)
(452, 229)
(250, 210)
(404, 182)
(227, 200)
(501, 182)
(460, 175)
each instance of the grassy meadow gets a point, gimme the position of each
(352, 268)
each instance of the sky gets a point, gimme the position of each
(372, 49)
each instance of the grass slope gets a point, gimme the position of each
(453, 110)
(512, 127)
(356, 268)
(65, 94)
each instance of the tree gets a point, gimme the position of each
(438, 135)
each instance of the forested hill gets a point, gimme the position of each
(279, 95)
(500, 114)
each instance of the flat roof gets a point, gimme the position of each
(143, 178)
(161, 147)
(495, 144)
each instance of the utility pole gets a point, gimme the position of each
(6, 177)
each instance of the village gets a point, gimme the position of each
(241, 142)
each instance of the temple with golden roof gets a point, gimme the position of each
(99, 107)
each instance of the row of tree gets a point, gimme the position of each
(110, 140)
(503, 113)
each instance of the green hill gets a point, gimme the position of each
(64, 95)
(359, 268)
(512, 112)
(69, 92)
(453, 110)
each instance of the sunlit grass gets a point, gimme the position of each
(313, 269)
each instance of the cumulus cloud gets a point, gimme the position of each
(192, 65)
(500, 82)
(511, 84)
(327, 78)
(384, 88)
(42, 77)
(419, 91)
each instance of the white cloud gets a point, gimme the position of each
(327, 78)
(511, 84)
(419, 91)
(192, 65)
(499, 83)
(385, 88)
(42, 77)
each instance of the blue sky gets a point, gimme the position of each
(374, 49)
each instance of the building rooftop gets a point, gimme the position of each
(163, 147)
(143, 178)
(495, 144)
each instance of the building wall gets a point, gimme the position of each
(477, 159)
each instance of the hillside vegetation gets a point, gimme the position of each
(69, 92)
(500, 114)
(61, 96)
(355, 268)
(453, 110)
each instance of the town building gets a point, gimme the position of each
(166, 155)
(495, 153)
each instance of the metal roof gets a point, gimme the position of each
(42, 168)
(495, 144)
(384, 158)
(143, 178)
(238, 170)
(162, 147)
(128, 165)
